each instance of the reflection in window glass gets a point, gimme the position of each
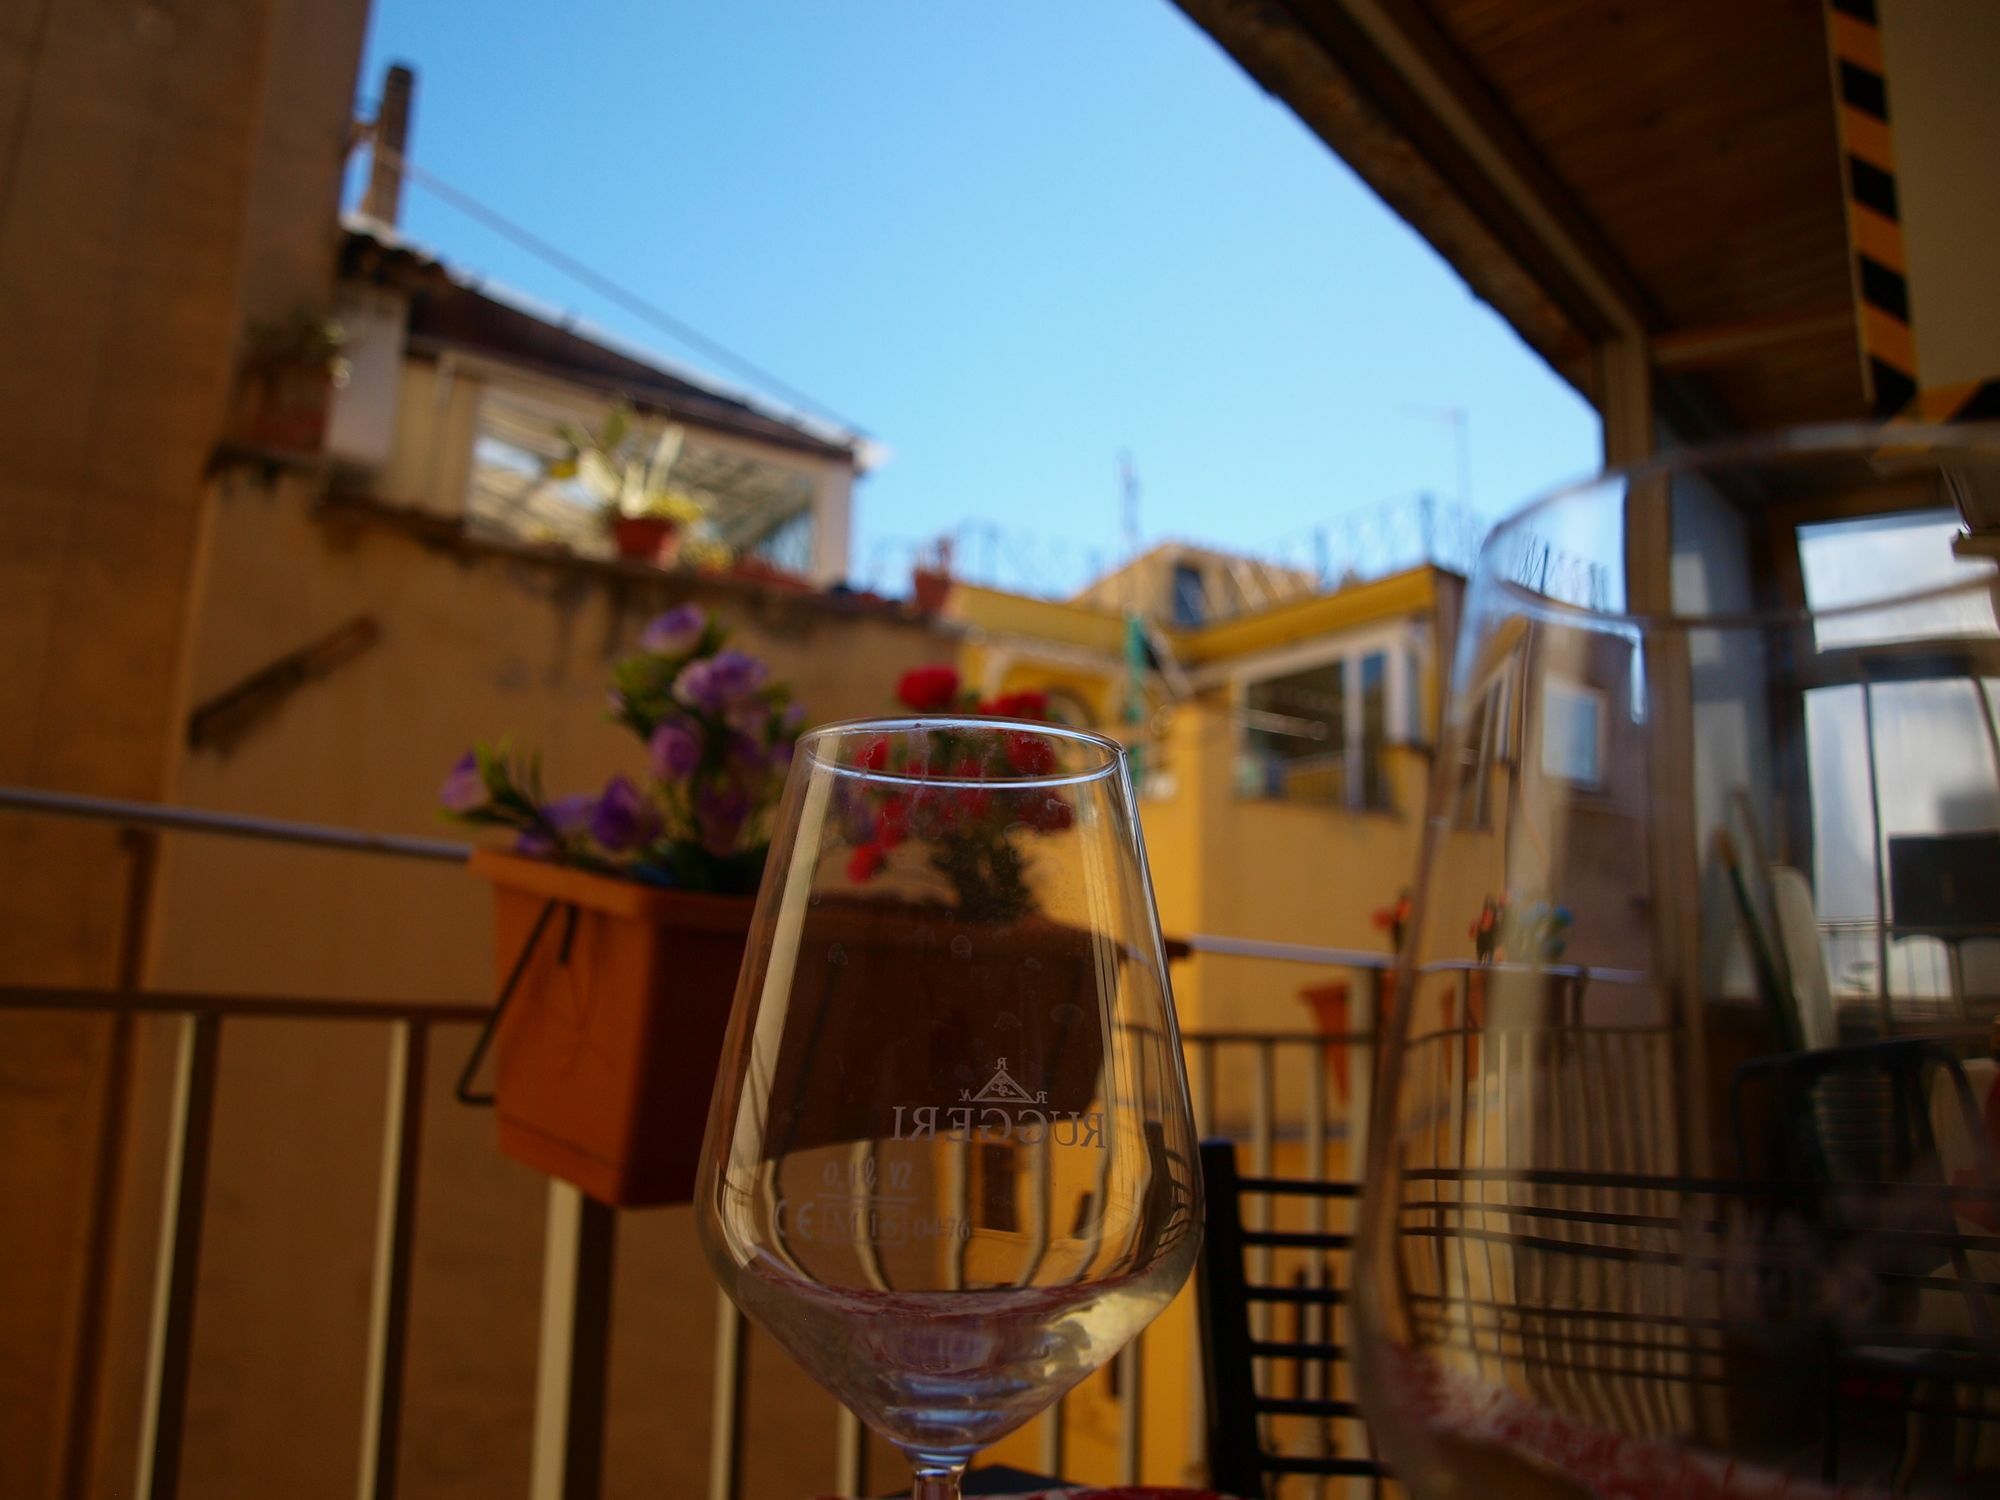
(1934, 773)
(1846, 562)
(1295, 736)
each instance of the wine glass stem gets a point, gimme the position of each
(937, 1481)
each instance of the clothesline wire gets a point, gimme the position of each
(612, 291)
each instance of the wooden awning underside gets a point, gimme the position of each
(1601, 169)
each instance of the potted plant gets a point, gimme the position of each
(285, 384)
(930, 579)
(621, 917)
(650, 518)
(1518, 942)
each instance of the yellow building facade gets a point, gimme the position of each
(1283, 760)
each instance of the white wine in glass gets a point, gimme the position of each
(950, 1163)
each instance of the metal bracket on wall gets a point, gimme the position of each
(224, 719)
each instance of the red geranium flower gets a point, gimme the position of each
(1050, 815)
(1030, 754)
(1029, 703)
(865, 860)
(927, 689)
(874, 755)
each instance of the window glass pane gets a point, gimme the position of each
(1845, 562)
(1190, 598)
(1374, 728)
(1572, 728)
(1295, 735)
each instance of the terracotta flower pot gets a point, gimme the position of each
(283, 408)
(644, 538)
(607, 1054)
(932, 588)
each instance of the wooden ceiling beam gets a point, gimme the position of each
(1721, 344)
(1450, 112)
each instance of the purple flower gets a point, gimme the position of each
(720, 812)
(748, 716)
(624, 818)
(748, 756)
(719, 682)
(560, 820)
(676, 632)
(674, 749)
(464, 789)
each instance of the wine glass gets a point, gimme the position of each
(1682, 1175)
(950, 1163)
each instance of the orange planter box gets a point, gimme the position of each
(606, 1057)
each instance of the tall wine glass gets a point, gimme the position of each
(1682, 1177)
(950, 1163)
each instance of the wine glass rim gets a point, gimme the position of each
(1805, 442)
(1111, 753)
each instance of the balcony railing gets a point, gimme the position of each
(566, 1453)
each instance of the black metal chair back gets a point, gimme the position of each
(1244, 1353)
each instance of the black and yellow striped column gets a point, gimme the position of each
(1874, 222)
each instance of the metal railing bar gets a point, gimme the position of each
(850, 1454)
(1323, 1296)
(1587, 1367)
(1319, 1039)
(1302, 1239)
(566, 1454)
(1867, 1336)
(1291, 953)
(268, 1007)
(1132, 1392)
(1352, 1468)
(1943, 1239)
(395, 1240)
(1303, 1349)
(231, 825)
(1257, 1256)
(1602, 1340)
(1293, 1406)
(1302, 1187)
(103, 1224)
(1053, 1423)
(170, 1344)
(1701, 1186)
(1736, 1260)
(1313, 1319)
(732, 1384)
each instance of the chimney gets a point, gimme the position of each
(384, 199)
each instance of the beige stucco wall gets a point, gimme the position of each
(472, 644)
(146, 197)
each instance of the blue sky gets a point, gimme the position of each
(1006, 240)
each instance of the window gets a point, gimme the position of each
(1295, 736)
(1573, 733)
(1190, 602)
(1320, 733)
(1844, 563)
(1488, 744)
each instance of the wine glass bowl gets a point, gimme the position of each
(950, 1164)
(1683, 1173)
